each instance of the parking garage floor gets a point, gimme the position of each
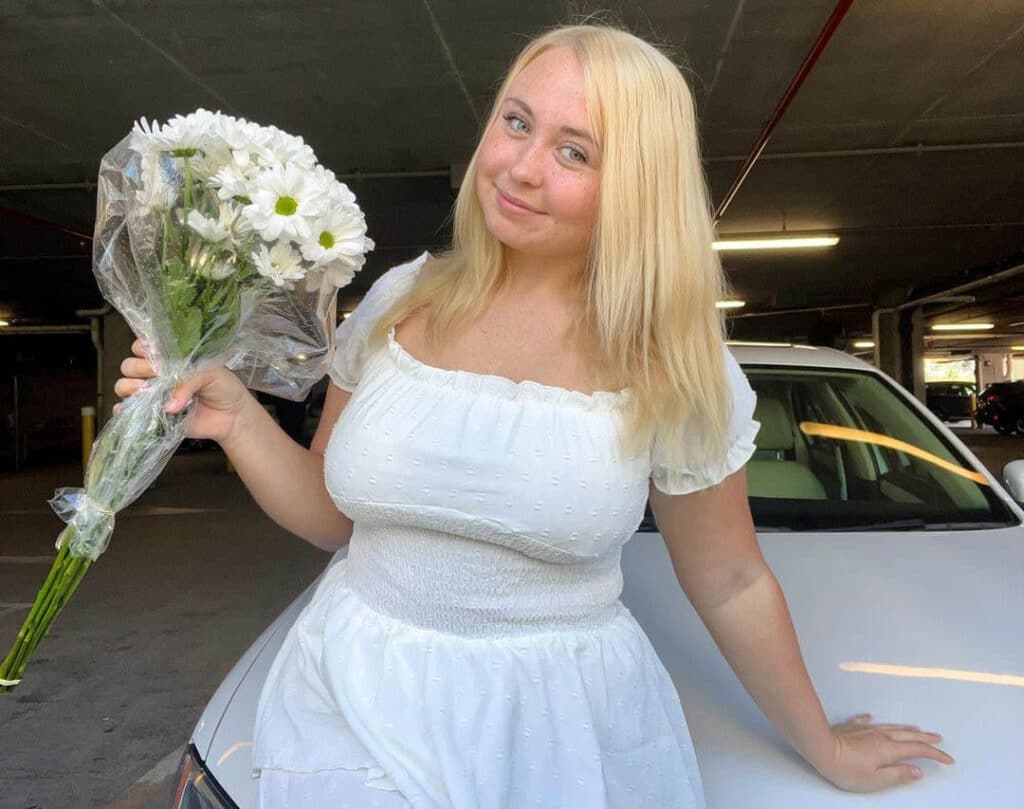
(192, 576)
(194, 572)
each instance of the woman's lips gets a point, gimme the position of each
(512, 205)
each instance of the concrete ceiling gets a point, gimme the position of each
(907, 140)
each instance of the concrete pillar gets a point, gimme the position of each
(886, 333)
(913, 352)
(994, 366)
(899, 342)
(117, 341)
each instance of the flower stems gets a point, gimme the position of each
(64, 577)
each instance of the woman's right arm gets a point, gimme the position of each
(285, 479)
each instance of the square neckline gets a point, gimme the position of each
(497, 384)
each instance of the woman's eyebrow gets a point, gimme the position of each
(568, 130)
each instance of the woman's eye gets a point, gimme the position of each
(574, 155)
(516, 123)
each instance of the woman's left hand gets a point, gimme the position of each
(870, 757)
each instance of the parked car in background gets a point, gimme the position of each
(1001, 405)
(899, 556)
(950, 401)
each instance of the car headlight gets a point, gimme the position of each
(197, 789)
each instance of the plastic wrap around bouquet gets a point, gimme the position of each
(221, 242)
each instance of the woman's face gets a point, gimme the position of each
(538, 169)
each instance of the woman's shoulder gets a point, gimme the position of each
(398, 278)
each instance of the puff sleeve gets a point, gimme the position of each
(350, 338)
(672, 477)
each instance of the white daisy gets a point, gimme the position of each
(286, 201)
(182, 136)
(213, 230)
(155, 192)
(340, 236)
(290, 150)
(219, 269)
(231, 182)
(280, 263)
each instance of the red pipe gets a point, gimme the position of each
(787, 98)
(7, 213)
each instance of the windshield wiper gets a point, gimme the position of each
(915, 524)
(918, 524)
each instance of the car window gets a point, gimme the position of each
(843, 450)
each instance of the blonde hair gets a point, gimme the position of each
(645, 313)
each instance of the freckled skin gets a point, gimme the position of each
(531, 158)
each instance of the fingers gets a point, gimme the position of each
(127, 387)
(142, 368)
(913, 736)
(905, 750)
(897, 774)
(181, 395)
(138, 349)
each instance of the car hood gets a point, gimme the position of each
(914, 627)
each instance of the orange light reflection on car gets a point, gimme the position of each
(231, 751)
(866, 437)
(935, 674)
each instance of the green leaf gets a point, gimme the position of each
(187, 324)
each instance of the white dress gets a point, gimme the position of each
(471, 652)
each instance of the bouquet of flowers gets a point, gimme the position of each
(221, 242)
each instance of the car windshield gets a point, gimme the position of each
(842, 450)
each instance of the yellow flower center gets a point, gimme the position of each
(327, 240)
(286, 206)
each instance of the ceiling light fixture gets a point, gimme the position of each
(4, 323)
(962, 326)
(730, 304)
(863, 343)
(776, 243)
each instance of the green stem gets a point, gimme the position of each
(64, 577)
(36, 623)
(163, 246)
(187, 204)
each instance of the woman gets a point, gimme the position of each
(497, 420)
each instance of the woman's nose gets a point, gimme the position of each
(526, 168)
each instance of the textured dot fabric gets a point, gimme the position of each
(471, 651)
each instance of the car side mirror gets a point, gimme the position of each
(1013, 479)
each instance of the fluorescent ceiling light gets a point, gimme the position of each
(1016, 348)
(863, 343)
(967, 336)
(730, 304)
(776, 243)
(963, 326)
(4, 323)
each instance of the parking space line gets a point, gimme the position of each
(6, 608)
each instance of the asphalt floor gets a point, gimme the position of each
(194, 573)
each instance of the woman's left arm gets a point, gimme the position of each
(711, 539)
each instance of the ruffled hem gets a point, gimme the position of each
(684, 481)
(585, 718)
(371, 774)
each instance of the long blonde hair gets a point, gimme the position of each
(645, 317)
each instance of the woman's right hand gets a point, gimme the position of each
(219, 395)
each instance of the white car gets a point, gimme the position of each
(901, 559)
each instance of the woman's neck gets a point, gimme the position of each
(543, 278)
